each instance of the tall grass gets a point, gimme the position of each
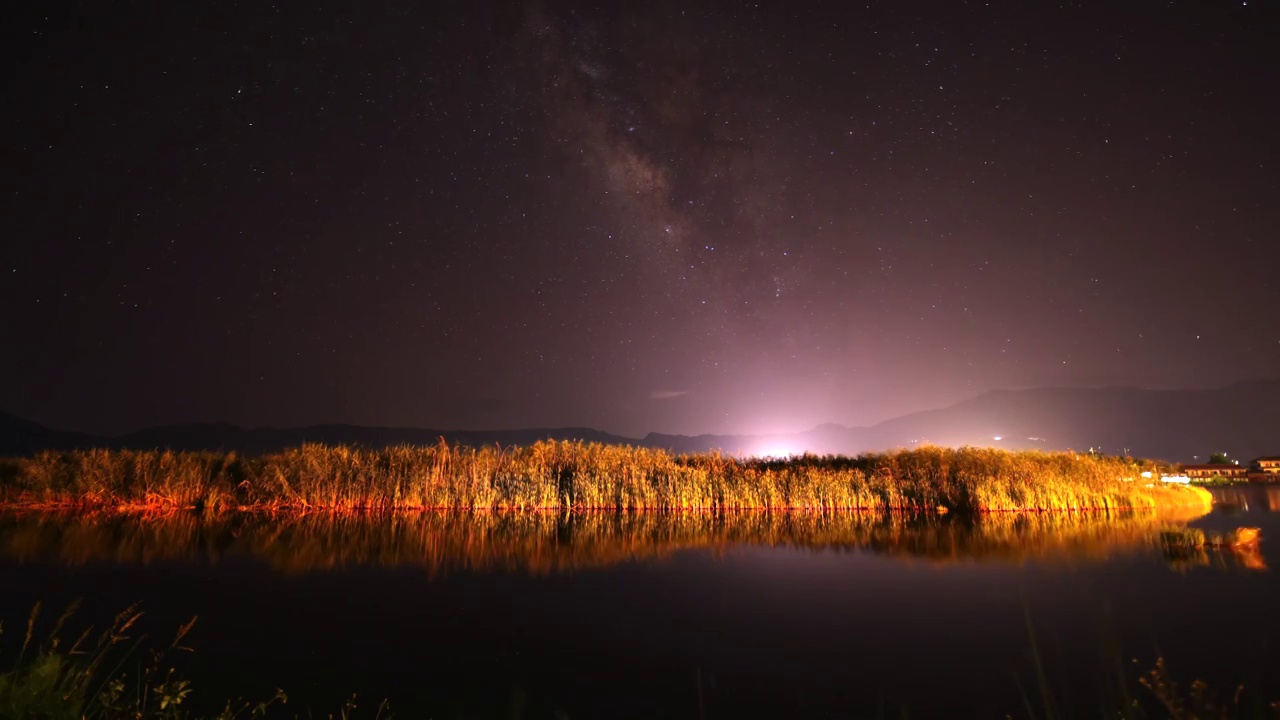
(1156, 695)
(103, 676)
(581, 476)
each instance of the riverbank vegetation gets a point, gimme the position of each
(104, 675)
(581, 476)
(118, 674)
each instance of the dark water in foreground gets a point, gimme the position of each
(666, 616)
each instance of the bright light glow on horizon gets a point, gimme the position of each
(777, 450)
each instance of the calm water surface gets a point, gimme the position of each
(666, 616)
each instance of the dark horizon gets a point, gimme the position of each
(1259, 381)
(685, 217)
(1116, 421)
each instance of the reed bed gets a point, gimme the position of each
(1183, 538)
(580, 476)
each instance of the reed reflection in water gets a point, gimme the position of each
(444, 542)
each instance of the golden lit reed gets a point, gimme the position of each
(579, 476)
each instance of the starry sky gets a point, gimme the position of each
(660, 216)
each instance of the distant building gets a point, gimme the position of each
(1265, 469)
(1206, 472)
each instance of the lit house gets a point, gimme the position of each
(1207, 472)
(1265, 469)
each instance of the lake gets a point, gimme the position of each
(666, 615)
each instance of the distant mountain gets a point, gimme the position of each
(731, 444)
(1242, 420)
(19, 437)
(22, 437)
(221, 436)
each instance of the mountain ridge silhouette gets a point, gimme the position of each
(1242, 419)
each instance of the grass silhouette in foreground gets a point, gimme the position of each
(53, 680)
(581, 476)
(114, 675)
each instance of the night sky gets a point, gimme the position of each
(671, 216)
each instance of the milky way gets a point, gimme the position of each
(673, 216)
(683, 171)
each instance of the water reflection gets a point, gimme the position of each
(548, 543)
(1247, 498)
(1245, 558)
